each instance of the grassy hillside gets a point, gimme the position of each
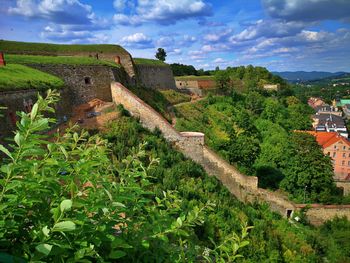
(148, 61)
(65, 60)
(175, 97)
(15, 76)
(195, 78)
(18, 47)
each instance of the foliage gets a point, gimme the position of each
(161, 54)
(64, 60)
(147, 61)
(175, 97)
(69, 199)
(46, 48)
(155, 99)
(271, 240)
(14, 76)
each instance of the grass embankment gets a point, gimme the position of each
(192, 77)
(175, 97)
(42, 48)
(64, 60)
(17, 77)
(150, 62)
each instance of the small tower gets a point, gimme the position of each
(2, 60)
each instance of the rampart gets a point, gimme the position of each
(156, 77)
(85, 82)
(245, 188)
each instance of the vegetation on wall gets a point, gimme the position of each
(15, 77)
(28, 47)
(64, 60)
(148, 61)
(175, 97)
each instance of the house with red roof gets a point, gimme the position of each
(338, 148)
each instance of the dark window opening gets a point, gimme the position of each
(87, 80)
(289, 213)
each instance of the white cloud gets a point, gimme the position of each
(308, 10)
(137, 40)
(160, 11)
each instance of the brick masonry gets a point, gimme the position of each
(245, 188)
(156, 77)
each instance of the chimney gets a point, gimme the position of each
(2, 60)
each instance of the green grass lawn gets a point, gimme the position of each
(194, 78)
(15, 46)
(66, 60)
(175, 97)
(17, 77)
(147, 61)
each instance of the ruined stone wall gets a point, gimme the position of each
(317, 214)
(245, 188)
(85, 82)
(15, 101)
(156, 77)
(345, 185)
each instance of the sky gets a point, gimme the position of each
(281, 35)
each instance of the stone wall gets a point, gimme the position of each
(85, 82)
(345, 186)
(156, 77)
(16, 100)
(245, 188)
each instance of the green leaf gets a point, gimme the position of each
(18, 138)
(66, 205)
(34, 111)
(145, 243)
(44, 248)
(117, 254)
(64, 151)
(45, 231)
(5, 151)
(179, 221)
(64, 226)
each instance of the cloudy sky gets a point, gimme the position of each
(278, 34)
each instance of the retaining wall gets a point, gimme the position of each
(245, 188)
(155, 77)
(85, 82)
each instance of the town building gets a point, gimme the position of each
(327, 109)
(315, 102)
(346, 110)
(329, 123)
(271, 86)
(338, 148)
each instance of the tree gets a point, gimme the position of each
(222, 79)
(161, 54)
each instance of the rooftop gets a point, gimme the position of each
(326, 139)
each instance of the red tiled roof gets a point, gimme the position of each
(326, 139)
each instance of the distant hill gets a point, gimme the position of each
(306, 76)
(341, 78)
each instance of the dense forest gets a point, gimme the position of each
(125, 196)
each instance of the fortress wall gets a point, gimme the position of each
(15, 101)
(139, 109)
(74, 76)
(245, 188)
(317, 214)
(155, 77)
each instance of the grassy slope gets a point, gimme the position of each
(66, 60)
(272, 239)
(15, 76)
(175, 97)
(14, 46)
(195, 78)
(147, 61)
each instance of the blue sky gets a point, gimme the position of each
(277, 34)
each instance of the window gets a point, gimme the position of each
(344, 155)
(87, 80)
(342, 162)
(344, 147)
(335, 146)
(334, 155)
(348, 163)
(329, 153)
